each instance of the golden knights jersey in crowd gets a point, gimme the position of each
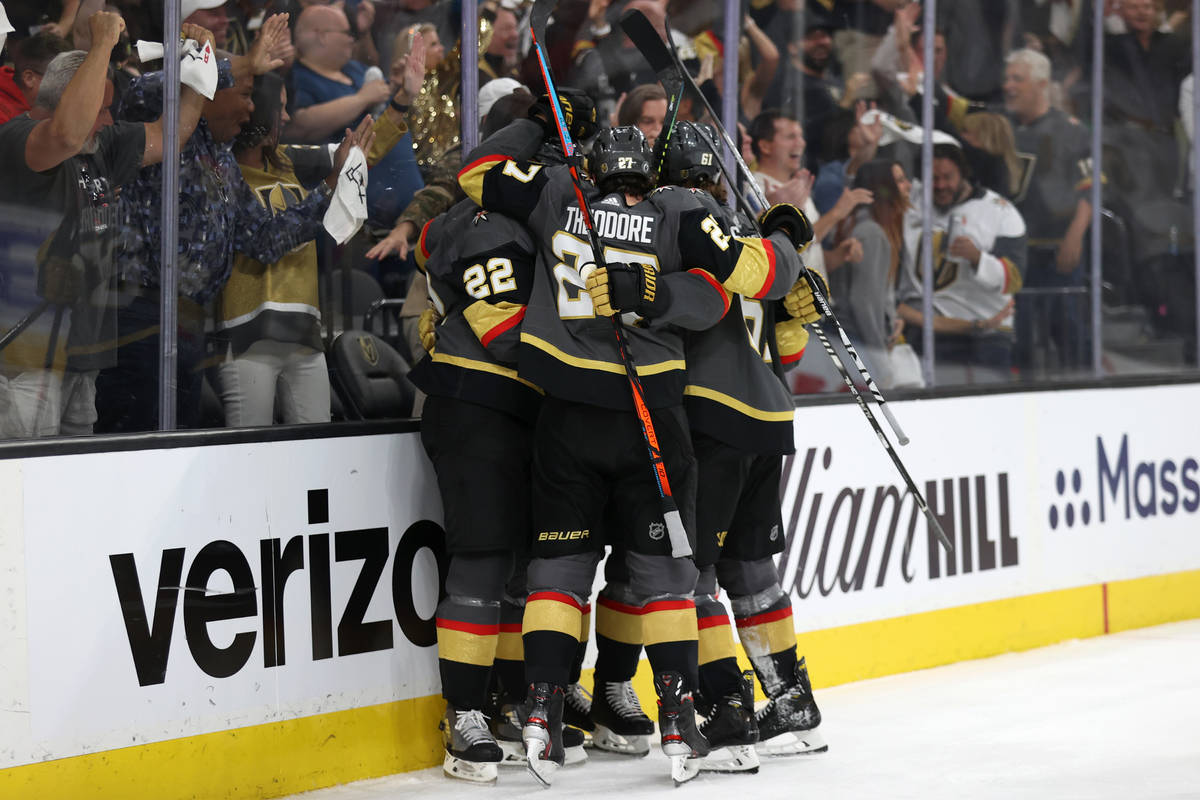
(568, 350)
(732, 393)
(971, 292)
(1056, 159)
(480, 269)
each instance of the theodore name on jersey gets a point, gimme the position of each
(613, 225)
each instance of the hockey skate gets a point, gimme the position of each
(682, 741)
(620, 724)
(788, 724)
(732, 731)
(542, 732)
(578, 708)
(471, 752)
(506, 721)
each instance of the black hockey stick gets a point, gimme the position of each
(23, 323)
(646, 39)
(677, 535)
(818, 296)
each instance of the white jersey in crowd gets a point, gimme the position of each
(814, 256)
(960, 290)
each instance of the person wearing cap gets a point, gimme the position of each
(810, 81)
(209, 14)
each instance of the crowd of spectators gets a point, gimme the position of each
(830, 101)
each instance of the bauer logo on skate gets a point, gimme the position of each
(866, 536)
(1126, 487)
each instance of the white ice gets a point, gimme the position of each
(1111, 717)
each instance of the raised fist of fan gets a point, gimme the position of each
(627, 287)
(790, 221)
(799, 301)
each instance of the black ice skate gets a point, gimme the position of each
(620, 724)
(682, 741)
(732, 731)
(578, 708)
(507, 721)
(788, 723)
(543, 731)
(471, 751)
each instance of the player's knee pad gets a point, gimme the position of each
(752, 585)
(570, 575)
(706, 584)
(478, 575)
(658, 576)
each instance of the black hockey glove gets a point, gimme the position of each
(627, 287)
(579, 112)
(789, 220)
(799, 301)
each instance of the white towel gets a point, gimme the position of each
(896, 129)
(348, 206)
(197, 65)
(5, 26)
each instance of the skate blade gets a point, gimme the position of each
(731, 758)
(684, 768)
(474, 771)
(793, 743)
(514, 753)
(605, 739)
(542, 769)
(574, 755)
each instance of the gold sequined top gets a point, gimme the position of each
(433, 117)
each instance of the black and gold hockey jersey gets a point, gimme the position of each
(565, 348)
(1056, 160)
(732, 392)
(479, 266)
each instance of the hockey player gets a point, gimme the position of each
(741, 421)
(588, 448)
(477, 426)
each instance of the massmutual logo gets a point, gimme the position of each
(1120, 485)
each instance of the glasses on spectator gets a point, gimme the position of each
(342, 32)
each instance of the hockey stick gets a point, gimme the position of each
(821, 301)
(646, 39)
(677, 535)
(23, 323)
(818, 296)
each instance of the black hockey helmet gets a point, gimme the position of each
(620, 151)
(690, 156)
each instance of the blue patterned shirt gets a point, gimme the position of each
(218, 212)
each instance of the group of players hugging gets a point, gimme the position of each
(542, 462)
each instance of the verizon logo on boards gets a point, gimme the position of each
(847, 538)
(303, 558)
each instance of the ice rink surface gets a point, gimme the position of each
(1112, 717)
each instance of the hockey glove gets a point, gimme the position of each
(579, 112)
(799, 301)
(790, 221)
(792, 338)
(627, 287)
(425, 329)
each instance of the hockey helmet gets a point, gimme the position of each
(620, 151)
(690, 155)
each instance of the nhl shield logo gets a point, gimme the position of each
(656, 530)
(369, 351)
